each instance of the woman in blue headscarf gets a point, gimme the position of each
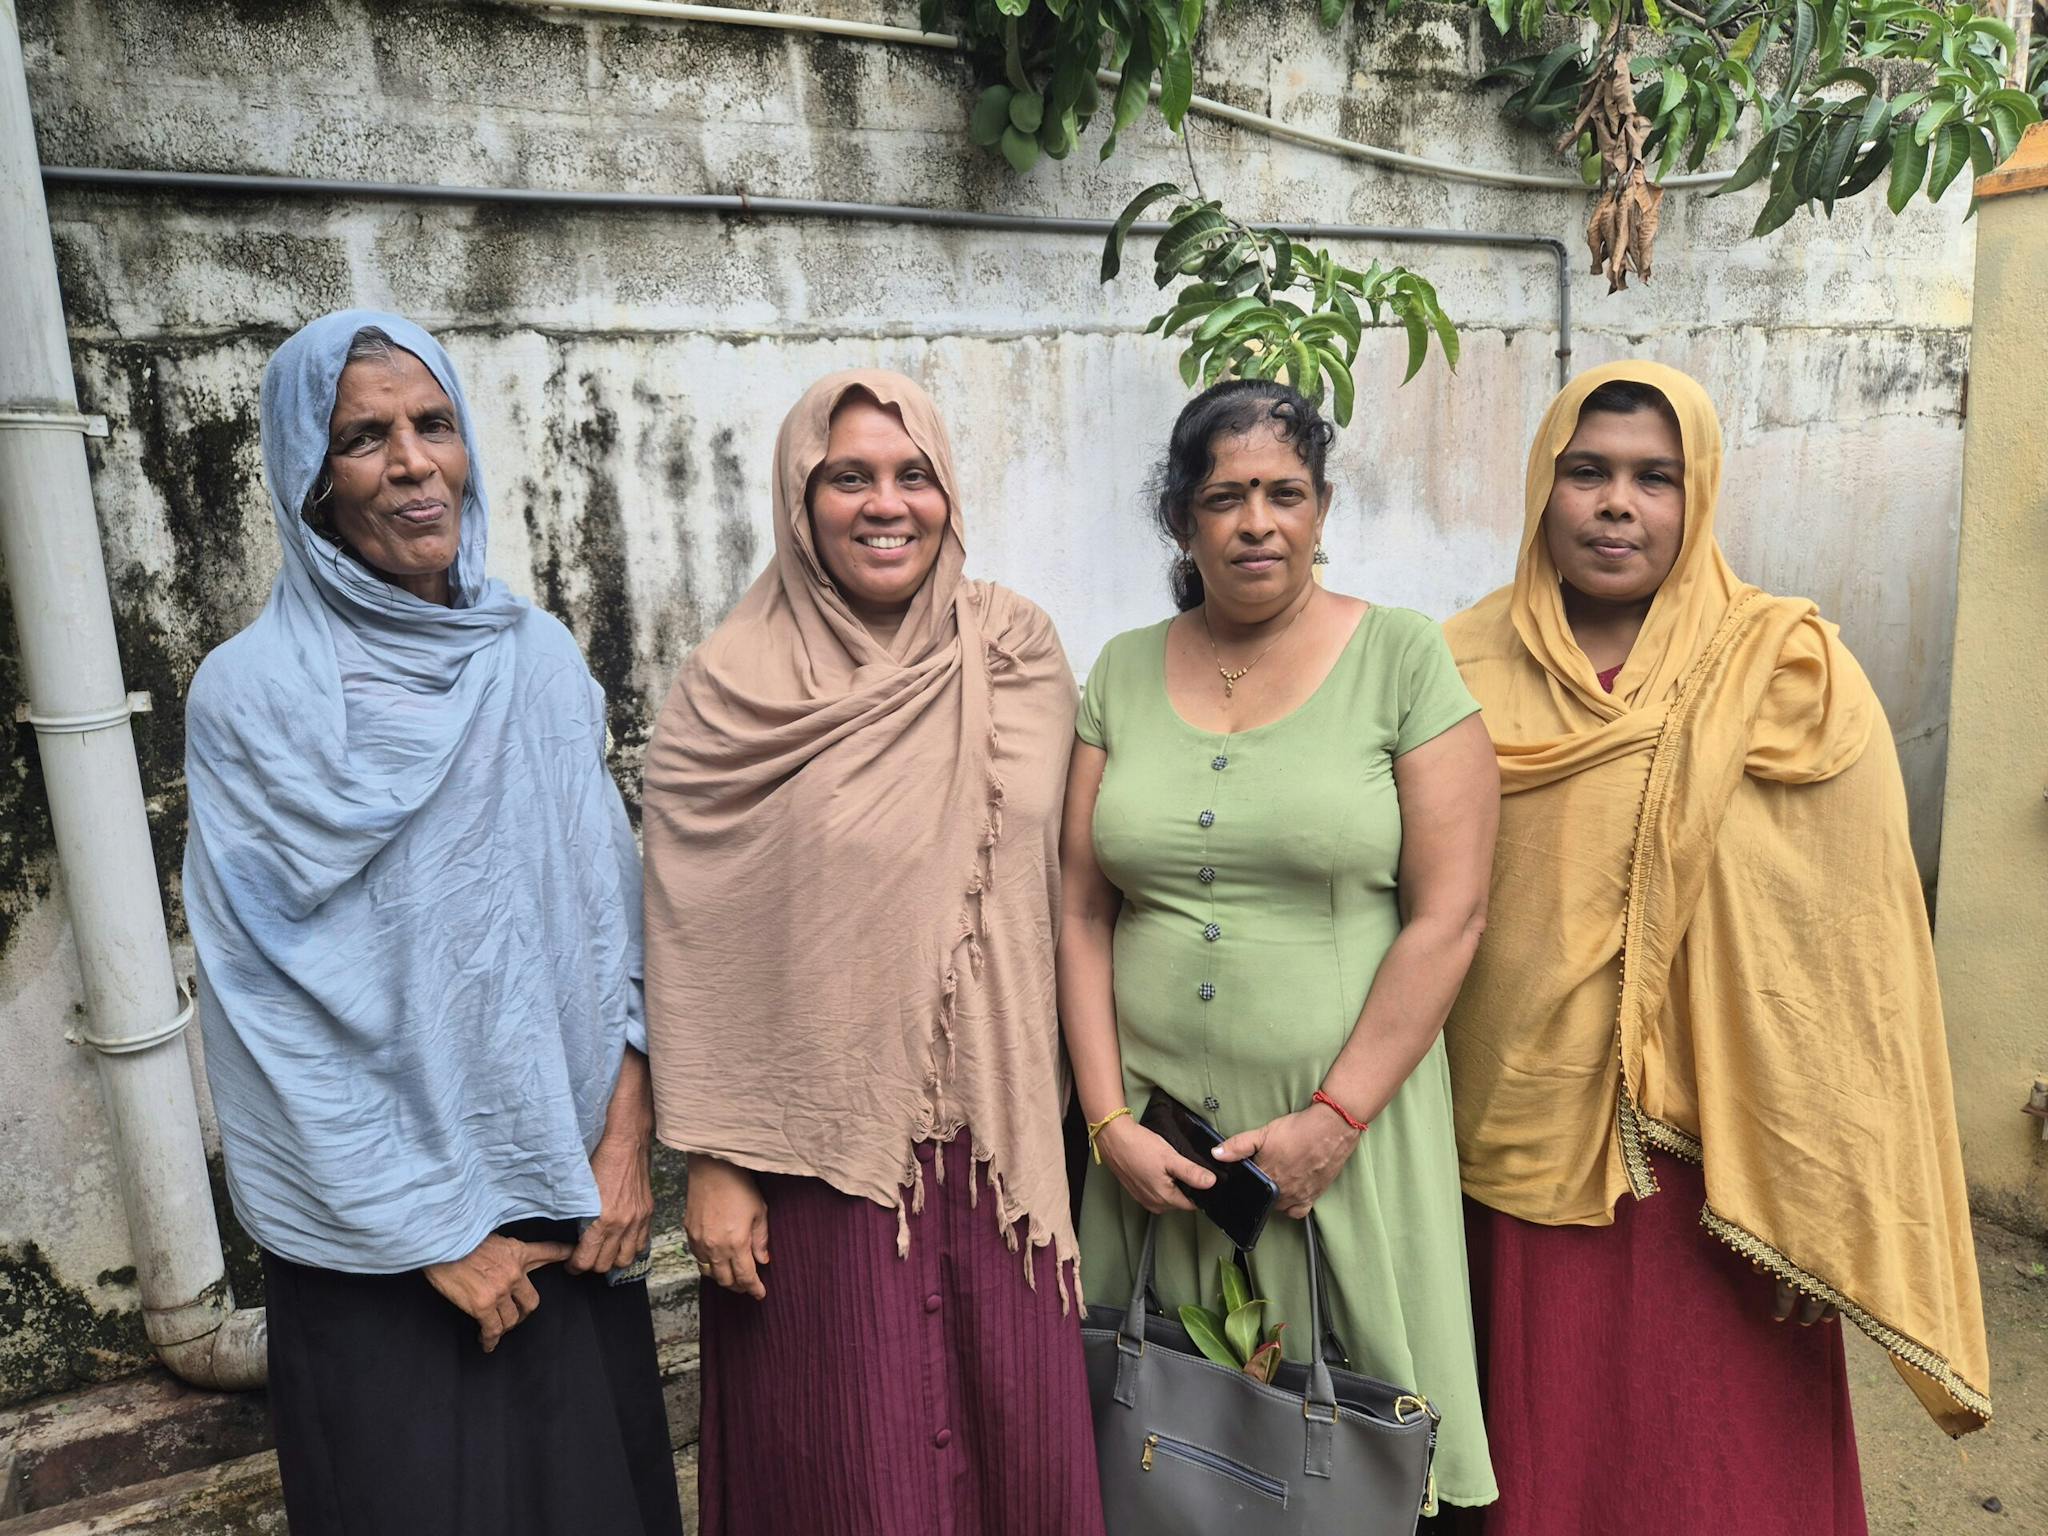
(416, 900)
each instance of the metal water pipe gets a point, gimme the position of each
(741, 205)
(79, 707)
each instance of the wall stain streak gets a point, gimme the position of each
(581, 575)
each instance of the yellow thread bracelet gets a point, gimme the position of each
(1099, 1126)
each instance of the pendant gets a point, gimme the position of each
(1231, 679)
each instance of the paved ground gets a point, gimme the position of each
(1918, 1482)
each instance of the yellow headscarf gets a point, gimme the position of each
(1721, 845)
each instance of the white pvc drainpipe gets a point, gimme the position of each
(794, 207)
(80, 708)
(1200, 106)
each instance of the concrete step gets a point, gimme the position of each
(150, 1454)
(235, 1498)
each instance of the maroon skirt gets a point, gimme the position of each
(935, 1395)
(1635, 1381)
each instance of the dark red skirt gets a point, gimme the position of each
(935, 1395)
(1635, 1382)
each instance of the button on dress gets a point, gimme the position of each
(1258, 872)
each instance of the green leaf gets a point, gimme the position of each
(1804, 24)
(1236, 1291)
(991, 116)
(1909, 166)
(2025, 109)
(1191, 20)
(1996, 30)
(1013, 54)
(1872, 167)
(1176, 86)
(1446, 333)
(1950, 154)
(1654, 14)
(1331, 326)
(1849, 141)
(1727, 112)
(1418, 342)
(1342, 390)
(1178, 316)
(1188, 237)
(1027, 111)
(1113, 246)
(1719, 12)
(1746, 40)
(1333, 12)
(1530, 20)
(1224, 315)
(1554, 64)
(1020, 149)
(1933, 118)
(1206, 1329)
(1303, 371)
(1502, 13)
(1785, 198)
(1241, 1329)
(1675, 87)
(1013, 7)
(1674, 140)
(1264, 1365)
(1862, 77)
(1133, 90)
(1756, 163)
(1983, 156)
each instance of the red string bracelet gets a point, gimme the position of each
(1320, 1097)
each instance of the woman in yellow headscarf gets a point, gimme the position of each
(1700, 1078)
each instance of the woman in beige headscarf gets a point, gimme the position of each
(1699, 1072)
(852, 811)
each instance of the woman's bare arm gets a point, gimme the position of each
(1144, 1164)
(1450, 810)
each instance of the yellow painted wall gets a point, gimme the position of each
(1992, 936)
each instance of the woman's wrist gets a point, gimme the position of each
(1324, 1100)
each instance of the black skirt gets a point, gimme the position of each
(392, 1421)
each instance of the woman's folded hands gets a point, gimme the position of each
(491, 1283)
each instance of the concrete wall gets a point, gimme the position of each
(630, 371)
(1994, 891)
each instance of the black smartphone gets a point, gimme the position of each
(1241, 1198)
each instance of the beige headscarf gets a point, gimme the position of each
(1721, 845)
(852, 871)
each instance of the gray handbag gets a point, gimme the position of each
(1188, 1447)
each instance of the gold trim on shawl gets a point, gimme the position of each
(1634, 1126)
(1910, 1351)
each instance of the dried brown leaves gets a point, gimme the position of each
(1622, 230)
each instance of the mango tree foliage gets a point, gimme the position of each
(1836, 97)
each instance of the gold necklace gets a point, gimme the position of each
(1233, 676)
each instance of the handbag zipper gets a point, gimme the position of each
(1271, 1487)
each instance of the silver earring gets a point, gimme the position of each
(1320, 557)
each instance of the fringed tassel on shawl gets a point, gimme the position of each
(972, 930)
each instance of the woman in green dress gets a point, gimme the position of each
(1279, 828)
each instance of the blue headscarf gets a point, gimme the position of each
(410, 879)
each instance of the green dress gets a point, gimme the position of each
(1244, 952)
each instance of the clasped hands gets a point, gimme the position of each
(1302, 1153)
(491, 1283)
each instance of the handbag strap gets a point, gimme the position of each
(1321, 1403)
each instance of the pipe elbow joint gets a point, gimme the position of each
(230, 1357)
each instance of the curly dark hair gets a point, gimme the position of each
(1230, 409)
